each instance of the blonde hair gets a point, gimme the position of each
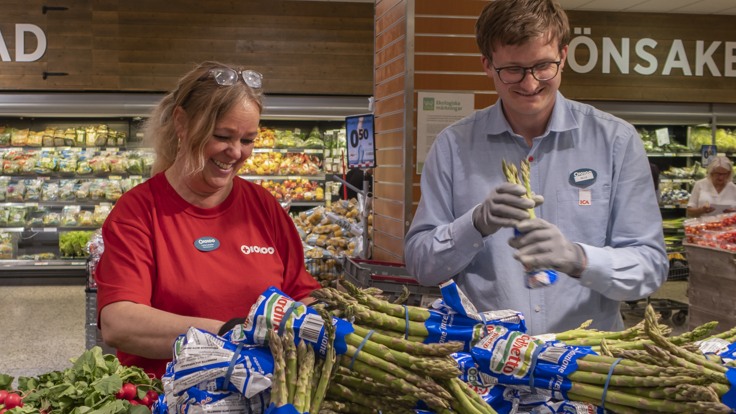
(515, 22)
(722, 162)
(204, 102)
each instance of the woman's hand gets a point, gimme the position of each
(706, 209)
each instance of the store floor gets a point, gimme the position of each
(44, 326)
(41, 328)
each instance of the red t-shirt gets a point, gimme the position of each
(159, 252)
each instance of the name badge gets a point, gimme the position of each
(206, 244)
(583, 178)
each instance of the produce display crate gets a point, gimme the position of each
(711, 286)
(391, 278)
(678, 273)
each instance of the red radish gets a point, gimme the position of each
(130, 391)
(3, 394)
(120, 395)
(152, 395)
(13, 400)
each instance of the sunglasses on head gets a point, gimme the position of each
(228, 77)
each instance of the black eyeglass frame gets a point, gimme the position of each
(527, 69)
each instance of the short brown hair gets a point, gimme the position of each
(515, 22)
(205, 103)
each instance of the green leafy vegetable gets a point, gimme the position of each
(87, 387)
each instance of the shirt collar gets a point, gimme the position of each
(562, 118)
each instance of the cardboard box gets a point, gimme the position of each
(711, 286)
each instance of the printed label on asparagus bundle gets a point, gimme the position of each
(284, 409)
(515, 358)
(540, 278)
(454, 300)
(206, 361)
(729, 398)
(503, 400)
(277, 312)
(534, 279)
(446, 327)
(718, 346)
(201, 401)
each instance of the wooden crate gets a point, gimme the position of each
(711, 287)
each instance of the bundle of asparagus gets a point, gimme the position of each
(634, 337)
(299, 377)
(382, 371)
(660, 377)
(535, 278)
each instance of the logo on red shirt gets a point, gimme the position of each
(257, 249)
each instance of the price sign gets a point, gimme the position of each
(360, 141)
(663, 136)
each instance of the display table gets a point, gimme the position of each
(712, 286)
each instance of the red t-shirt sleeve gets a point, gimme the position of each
(125, 270)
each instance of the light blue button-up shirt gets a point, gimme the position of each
(615, 217)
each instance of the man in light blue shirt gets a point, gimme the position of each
(598, 224)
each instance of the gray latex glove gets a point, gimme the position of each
(504, 207)
(541, 245)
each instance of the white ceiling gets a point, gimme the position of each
(727, 7)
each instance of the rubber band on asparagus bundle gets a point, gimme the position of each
(231, 367)
(522, 176)
(360, 348)
(287, 315)
(532, 367)
(608, 381)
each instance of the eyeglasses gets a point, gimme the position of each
(720, 174)
(229, 77)
(541, 71)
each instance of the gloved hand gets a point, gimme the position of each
(504, 207)
(541, 245)
(230, 325)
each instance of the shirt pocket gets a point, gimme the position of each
(581, 222)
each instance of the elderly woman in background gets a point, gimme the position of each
(716, 193)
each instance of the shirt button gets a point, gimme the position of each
(475, 244)
(449, 268)
(537, 308)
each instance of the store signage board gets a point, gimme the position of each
(21, 29)
(435, 112)
(649, 57)
(361, 141)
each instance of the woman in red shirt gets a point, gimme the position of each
(195, 245)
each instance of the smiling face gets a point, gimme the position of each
(224, 152)
(528, 104)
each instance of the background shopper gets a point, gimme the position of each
(716, 193)
(599, 223)
(195, 245)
